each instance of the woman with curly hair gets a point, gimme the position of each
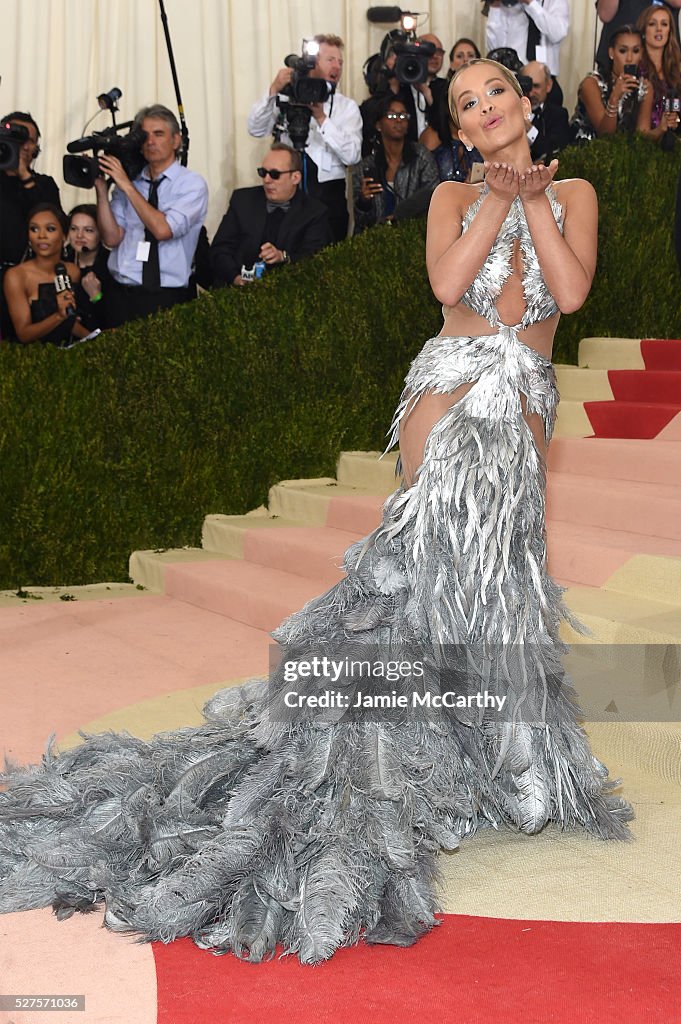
(661, 66)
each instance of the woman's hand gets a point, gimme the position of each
(370, 188)
(91, 284)
(670, 121)
(624, 84)
(502, 181)
(65, 300)
(535, 180)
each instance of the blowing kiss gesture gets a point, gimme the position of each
(505, 182)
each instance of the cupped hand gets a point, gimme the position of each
(370, 188)
(270, 254)
(502, 180)
(91, 284)
(64, 301)
(535, 180)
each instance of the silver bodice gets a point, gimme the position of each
(482, 294)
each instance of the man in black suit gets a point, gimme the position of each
(271, 224)
(549, 130)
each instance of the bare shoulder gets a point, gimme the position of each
(575, 190)
(453, 197)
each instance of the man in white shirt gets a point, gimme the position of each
(335, 137)
(533, 28)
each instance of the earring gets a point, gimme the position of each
(64, 251)
(469, 148)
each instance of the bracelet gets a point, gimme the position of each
(97, 297)
(285, 258)
(610, 110)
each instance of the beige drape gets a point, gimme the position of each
(56, 56)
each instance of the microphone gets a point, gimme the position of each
(383, 15)
(62, 283)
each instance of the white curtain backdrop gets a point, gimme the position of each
(56, 56)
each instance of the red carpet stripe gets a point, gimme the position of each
(661, 353)
(630, 419)
(471, 969)
(660, 386)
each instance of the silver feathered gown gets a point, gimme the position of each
(252, 830)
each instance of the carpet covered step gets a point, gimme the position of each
(630, 353)
(662, 387)
(648, 509)
(648, 461)
(661, 353)
(630, 419)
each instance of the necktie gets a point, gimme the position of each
(151, 271)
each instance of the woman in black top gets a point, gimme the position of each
(38, 311)
(90, 256)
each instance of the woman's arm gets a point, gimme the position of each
(454, 259)
(567, 260)
(20, 310)
(604, 123)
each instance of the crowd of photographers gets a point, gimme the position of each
(142, 245)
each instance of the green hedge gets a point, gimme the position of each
(127, 442)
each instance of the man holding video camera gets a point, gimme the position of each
(533, 28)
(334, 140)
(151, 224)
(21, 188)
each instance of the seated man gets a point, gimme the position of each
(550, 129)
(273, 224)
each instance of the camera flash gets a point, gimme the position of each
(409, 22)
(310, 47)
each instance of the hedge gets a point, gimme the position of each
(129, 441)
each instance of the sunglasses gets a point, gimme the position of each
(393, 115)
(274, 174)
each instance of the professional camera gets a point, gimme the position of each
(411, 66)
(83, 170)
(12, 138)
(295, 99)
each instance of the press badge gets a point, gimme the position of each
(143, 252)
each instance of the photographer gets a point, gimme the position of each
(533, 28)
(335, 136)
(21, 188)
(269, 225)
(151, 224)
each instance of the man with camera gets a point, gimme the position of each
(335, 132)
(151, 224)
(533, 28)
(550, 128)
(270, 225)
(21, 188)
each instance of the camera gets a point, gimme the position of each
(411, 66)
(295, 99)
(12, 138)
(83, 170)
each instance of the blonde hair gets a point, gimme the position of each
(330, 40)
(502, 71)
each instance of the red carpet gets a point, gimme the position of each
(661, 353)
(629, 419)
(471, 969)
(645, 401)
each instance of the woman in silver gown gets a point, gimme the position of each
(255, 829)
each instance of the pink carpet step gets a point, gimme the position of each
(255, 595)
(313, 552)
(589, 555)
(648, 461)
(644, 508)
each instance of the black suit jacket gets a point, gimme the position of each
(303, 230)
(552, 123)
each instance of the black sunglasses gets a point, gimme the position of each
(274, 174)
